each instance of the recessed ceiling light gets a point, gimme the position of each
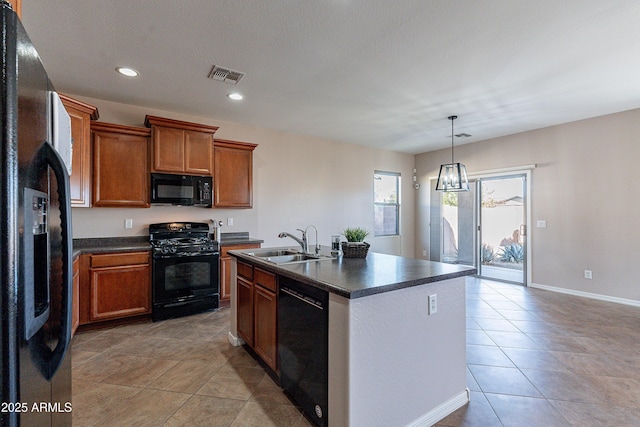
(235, 96)
(129, 72)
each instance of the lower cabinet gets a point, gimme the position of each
(118, 285)
(257, 311)
(225, 269)
(265, 317)
(245, 310)
(75, 304)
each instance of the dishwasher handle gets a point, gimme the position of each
(304, 298)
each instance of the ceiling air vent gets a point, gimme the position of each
(225, 75)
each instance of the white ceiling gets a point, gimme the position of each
(373, 72)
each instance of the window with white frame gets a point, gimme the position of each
(386, 208)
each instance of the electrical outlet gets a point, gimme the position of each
(229, 221)
(424, 252)
(433, 304)
(588, 274)
(128, 223)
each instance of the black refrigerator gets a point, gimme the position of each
(35, 241)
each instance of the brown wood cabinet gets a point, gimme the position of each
(75, 305)
(119, 285)
(265, 317)
(257, 311)
(233, 174)
(245, 302)
(225, 269)
(17, 7)
(120, 165)
(80, 181)
(180, 147)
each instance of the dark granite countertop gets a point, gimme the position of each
(110, 244)
(360, 277)
(238, 238)
(141, 243)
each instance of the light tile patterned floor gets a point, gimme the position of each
(180, 372)
(538, 358)
(534, 358)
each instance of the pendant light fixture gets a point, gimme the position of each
(452, 176)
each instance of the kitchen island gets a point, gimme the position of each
(391, 361)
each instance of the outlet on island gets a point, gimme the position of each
(433, 304)
(128, 223)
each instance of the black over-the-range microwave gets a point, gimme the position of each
(184, 190)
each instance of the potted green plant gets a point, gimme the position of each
(355, 246)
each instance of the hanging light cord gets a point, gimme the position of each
(452, 118)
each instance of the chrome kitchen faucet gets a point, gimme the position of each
(302, 242)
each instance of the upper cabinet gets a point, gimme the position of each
(80, 181)
(180, 147)
(120, 165)
(233, 174)
(16, 5)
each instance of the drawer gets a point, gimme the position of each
(120, 258)
(225, 249)
(265, 279)
(245, 270)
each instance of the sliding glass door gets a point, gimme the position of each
(485, 227)
(453, 221)
(502, 228)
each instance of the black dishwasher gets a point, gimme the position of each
(303, 323)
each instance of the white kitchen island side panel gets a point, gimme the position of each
(390, 362)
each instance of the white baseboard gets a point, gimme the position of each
(600, 297)
(235, 341)
(443, 410)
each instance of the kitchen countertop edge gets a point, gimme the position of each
(239, 241)
(110, 244)
(138, 243)
(290, 272)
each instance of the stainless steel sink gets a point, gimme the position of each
(287, 256)
(273, 253)
(289, 259)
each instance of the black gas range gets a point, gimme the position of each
(185, 269)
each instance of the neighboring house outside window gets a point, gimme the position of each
(386, 188)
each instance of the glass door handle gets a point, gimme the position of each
(523, 230)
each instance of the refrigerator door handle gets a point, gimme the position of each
(60, 171)
(53, 360)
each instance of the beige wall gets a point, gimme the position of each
(583, 186)
(298, 180)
